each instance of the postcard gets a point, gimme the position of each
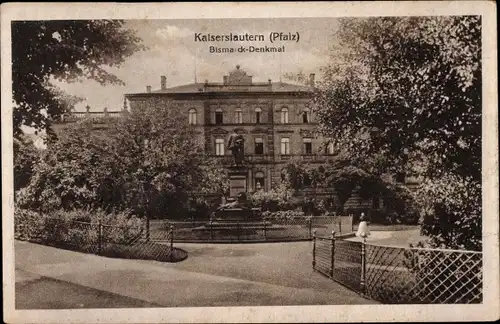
(250, 162)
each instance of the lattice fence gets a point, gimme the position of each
(323, 255)
(268, 229)
(413, 275)
(347, 263)
(401, 275)
(108, 240)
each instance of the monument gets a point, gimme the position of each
(236, 144)
(238, 209)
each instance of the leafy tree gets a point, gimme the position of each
(344, 177)
(409, 89)
(43, 51)
(148, 161)
(26, 156)
(411, 85)
(451, 212)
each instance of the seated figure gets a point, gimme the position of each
(240, 202)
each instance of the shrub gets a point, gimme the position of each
(78, 228)
(284, 215)
(28, 224)
(279, 198)
(452, 212)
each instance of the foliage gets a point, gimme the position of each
(343, 176)
(409, 90)
(314, 206)
(283, 215)
(62, 50)
(451, 212)
(28, 224)
(76, 227)
(413, 84)
(147, 161)
(26, 156)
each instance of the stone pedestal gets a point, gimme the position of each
(238, 214)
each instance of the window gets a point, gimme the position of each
(284, 174)
(219, 146)
(218, 116)
(259, 180)
(284, 115)
(307, 146)
(306, 116)
(307, 180)
(285, 146)
(258, 112)
(330, 148)
(259, 145)
(238, 116)
(192, 116)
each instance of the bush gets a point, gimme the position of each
(451, 212)
(279, 198)
(77, 228)
(283, 215)
(28, 225)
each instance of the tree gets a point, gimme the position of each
(26, 156)
(342, 175)
(43, 51)
(148, 161)
(409, 89)
(410, 85)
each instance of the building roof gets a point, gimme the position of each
(236, 81)
(220, 87)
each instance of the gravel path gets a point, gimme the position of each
(213, 275)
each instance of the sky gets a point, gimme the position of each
(173, 52)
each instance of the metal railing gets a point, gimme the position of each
(95, 116)
(264, 230)
(107, 240)
(319, 158)
(401, 275)
(316, 157)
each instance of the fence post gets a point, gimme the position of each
(265, 230)
(314, 250)
(340, 226)
(210, 227)
(363, 266)
(171, 237)
(333, 254)
(352, 222)
(238, 230)
(310, 227)
(99, 238)
(147, 229)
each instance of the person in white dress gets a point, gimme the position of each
(363, 230)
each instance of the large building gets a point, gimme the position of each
(274, 118)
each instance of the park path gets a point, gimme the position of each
(213, 275)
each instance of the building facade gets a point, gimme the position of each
(275, 119)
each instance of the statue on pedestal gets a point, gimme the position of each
(241, 202)
(236, 144)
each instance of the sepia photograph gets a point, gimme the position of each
(242, 162)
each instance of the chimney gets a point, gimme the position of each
(311, 80)
(225, 79)
(148, 89)
(163, 82)
(125, 103)
(269, 81)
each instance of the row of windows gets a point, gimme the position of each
(285, 146)
(238, 116)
